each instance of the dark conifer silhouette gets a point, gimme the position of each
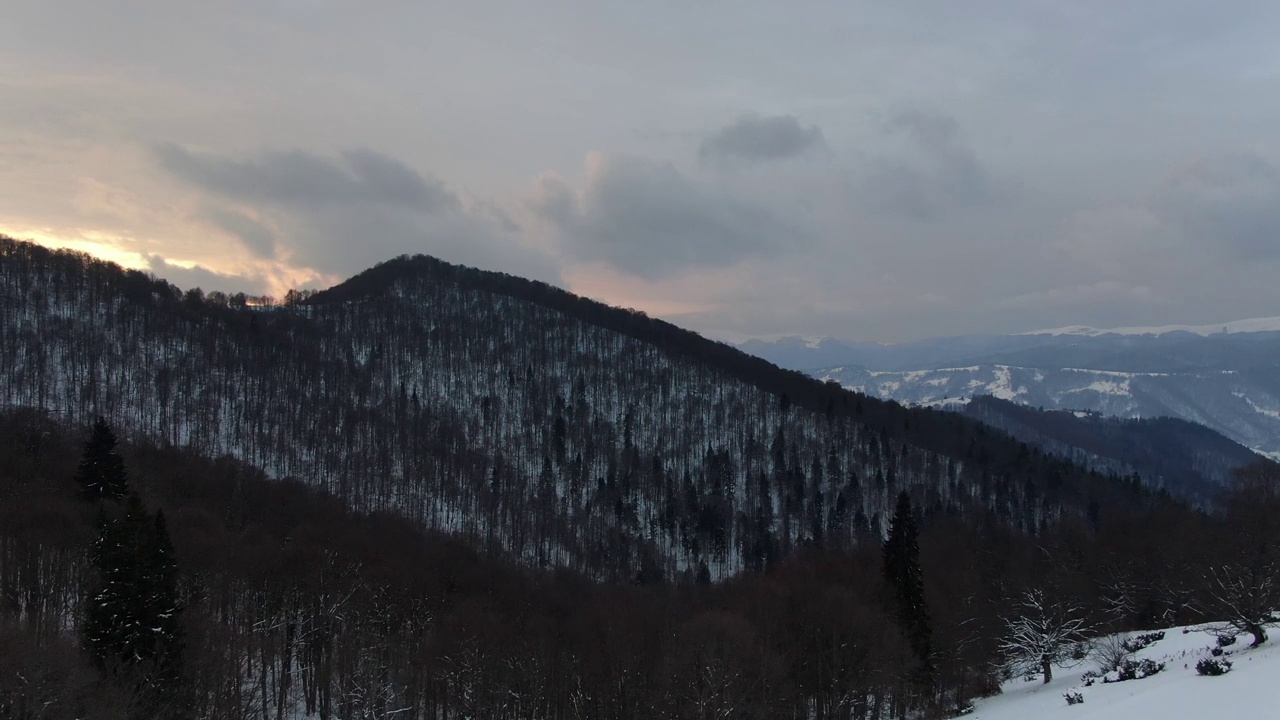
(102, 474)
(132, 624)
(904, 581)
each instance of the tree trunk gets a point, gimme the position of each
(1046, 667)
(1259, 634)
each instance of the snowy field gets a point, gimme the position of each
(1250, 690)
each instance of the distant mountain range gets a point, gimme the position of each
(1226, 377)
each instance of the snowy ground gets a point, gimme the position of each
(1250, 690)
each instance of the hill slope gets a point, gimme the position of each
(522, 417)
(1184, 458)
(1248, 691)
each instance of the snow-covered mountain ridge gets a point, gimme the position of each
(1251, 325)
(1226, 377)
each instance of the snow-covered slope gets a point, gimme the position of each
(1226, 377)
(1248, 691)
(1244, 405)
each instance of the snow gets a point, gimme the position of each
(1248, 691)
(1256, 407)
(1002, 386)
(1104, 387)
(1251, 325)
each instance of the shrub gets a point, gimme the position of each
(1211, 667)
(1143, 641)
(1226, 640)
(1133, 670)
(1073, 697)
(1111, 652)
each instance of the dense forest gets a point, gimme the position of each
(556, 429)
(1189, 460)
(291, 605)
(437, 492)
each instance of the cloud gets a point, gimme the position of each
(256, 237)
(936, 172)
(752, 138)
(298, 178)
(1230, 201)
(188, 275)
(646, 218)
(342, 214)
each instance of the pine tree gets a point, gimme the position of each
(161, 605)
(102, 474)
(904, 581)
(132, 622)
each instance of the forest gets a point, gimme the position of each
(526, 419)
(437, 492)
(291, 605)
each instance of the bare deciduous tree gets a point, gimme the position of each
(1040, 632)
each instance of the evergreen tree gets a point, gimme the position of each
(904, 581)
(132, 623)
(102, 473)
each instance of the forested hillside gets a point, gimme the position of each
(289, 605)
(1187, 459)
(562, 431)
(398, 499)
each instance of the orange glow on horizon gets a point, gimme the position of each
(100, 245)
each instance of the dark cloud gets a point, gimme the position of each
(187, 278)
(341, 215)
(646, 218)
(1228, 201)
(256, 237)
(298, 178)
(936, 173)
(753, 138)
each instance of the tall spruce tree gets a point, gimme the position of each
(132, 621)
(102, 474)
(904, 581)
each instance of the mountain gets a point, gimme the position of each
(1182, 457)
(1228, 381)
(1252, 325)
(510, 413)
(815, 354)
(433, 491)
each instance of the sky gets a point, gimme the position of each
(868, 170)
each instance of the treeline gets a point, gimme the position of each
(527, 420)
(293, 606)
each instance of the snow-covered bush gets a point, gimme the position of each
(1133, 670)
(1073, 697)
(1211, 667)
(1226, 640)
(1143, 641)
